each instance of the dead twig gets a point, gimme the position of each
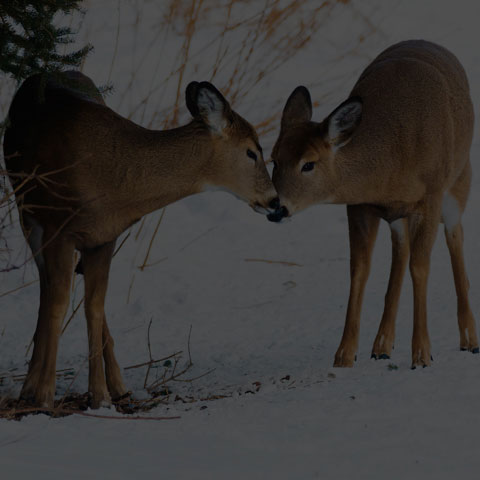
(189, 380)
(152, 362)
(18, 288)
(144, 264)
(149, 354)
(64, 372)
(121, 244)
(277, 262)
(198, 237)
(75, 310)
(15, 413)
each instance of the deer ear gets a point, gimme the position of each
(191, 98)
(298, 108)
(343, 121)
(206, 102)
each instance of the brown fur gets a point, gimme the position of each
(410, 149)
(95, 173)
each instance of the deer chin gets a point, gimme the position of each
(259, 209)
(263, 210)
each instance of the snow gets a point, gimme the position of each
(263, 322)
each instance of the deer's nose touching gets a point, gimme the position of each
(268, 205)
(278, 215)
(274, 204)
(275, 211)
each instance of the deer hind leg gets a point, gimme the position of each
(363, 228)
(423, 228)
(33, 232)
(55, 264)
(452, 209)
(115, 384)
(383, 345)
(96, 265)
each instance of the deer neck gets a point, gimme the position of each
(356, 184)
(164, 167)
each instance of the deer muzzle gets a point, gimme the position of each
(278, 215)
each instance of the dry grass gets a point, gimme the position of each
(166, 370)
(247, 43)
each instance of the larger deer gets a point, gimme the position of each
(398, 149)
(92, 174)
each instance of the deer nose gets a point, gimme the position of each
(278, 214)
(274, 204)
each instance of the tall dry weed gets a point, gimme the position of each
(246, 43)
(239, 45)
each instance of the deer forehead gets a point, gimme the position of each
(302, 148)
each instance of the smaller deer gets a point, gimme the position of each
(398, 149)
(90, 175)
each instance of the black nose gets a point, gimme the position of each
(274, 204)
(278, 214)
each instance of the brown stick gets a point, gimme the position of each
(149, 354)
(142, 267)
(144, 364)
(18, 288)
(278, 262)
(66, 411)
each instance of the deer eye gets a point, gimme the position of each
(308, 167)
(252, 155)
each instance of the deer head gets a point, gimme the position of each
(236, 162)
(306, 154)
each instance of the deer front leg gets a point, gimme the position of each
(383, 345)
(423, 227)
(96, 265)
(55, 263)
(363, 228)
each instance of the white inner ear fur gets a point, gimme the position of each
(211, 108)
(341, 121)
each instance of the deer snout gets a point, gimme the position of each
(267, 206)
(278, 215)
(274, 204)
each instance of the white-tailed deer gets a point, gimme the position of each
(398, 149)
(93, 174)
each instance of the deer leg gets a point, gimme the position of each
(363, 228)
(34, 234)
(423, 227)
(383, 344)
(466, 322)
(115, 384)
(114, 379)
(453, 206)
(55, 263)
(96, 265)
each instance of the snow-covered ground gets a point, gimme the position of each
(264, 326)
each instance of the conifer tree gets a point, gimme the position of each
(29, 37)
(29, 42)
